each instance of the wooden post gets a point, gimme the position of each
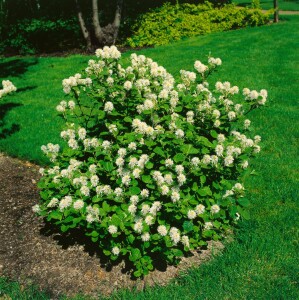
(276, 18)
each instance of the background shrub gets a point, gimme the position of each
(30, 36)
(173, 22)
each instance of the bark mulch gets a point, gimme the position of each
(33, 252)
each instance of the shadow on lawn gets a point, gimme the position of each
(4, 130)
(16, 67)
(27, 88)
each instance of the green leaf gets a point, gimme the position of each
(96, 199)
(44, 195)
(149, 143)
(188, 226)
(216, 185)
(205, 191)
(135, 254)
(214, 134)
(149, 165)
(108, 166)
(146, 178)
(68, 219)
(127, 120)
(159, 151)
(55, 215)
(77, 220)
(41, 184)
(151, 186)
(203, 179)
(204, 141)
(94, 234)
(244, 202)
(244, 213)
(194, 187)
(106, 206)
(156, 237)
(134, 190)
(189, 149)
(189, 134)
(179, 157)
(137, 273)
(193, 201)
(64, 228)
(107, 252)
(131, 238)
(207, 233)
(177, 253)
(178, 109)
(101, 115)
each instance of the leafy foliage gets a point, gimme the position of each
(173, 22)
(151, 168)
(31, 36)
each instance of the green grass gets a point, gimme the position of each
(268, 4)
(262, 262)
(14, 291)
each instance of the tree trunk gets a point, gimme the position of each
(276, 11)
(83, 27)
(96, 23)
(117, 19)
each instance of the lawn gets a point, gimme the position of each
(262, 262)
(268, 4)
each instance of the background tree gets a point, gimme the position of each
(43, 26)
(103, 35)
(276, 17)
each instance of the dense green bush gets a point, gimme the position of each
(30, 36)
(150, 167)
(173, 22)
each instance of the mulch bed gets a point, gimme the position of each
(33, 252)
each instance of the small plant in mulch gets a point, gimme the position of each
(149, 166)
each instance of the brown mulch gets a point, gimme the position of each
(32, 252)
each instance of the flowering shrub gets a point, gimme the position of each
(8, 88)
(150, 167)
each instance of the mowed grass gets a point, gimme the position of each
(262, 262)
(268, 4)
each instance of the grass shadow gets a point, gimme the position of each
(7, 131)
(26, 88)
(16, 67)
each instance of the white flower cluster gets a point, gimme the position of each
(259, 97)
(143, 128)
(8, 87)
(74, 81)
(51, 151)
(226, 89)
(108, 53)
(215, 61)
(200, 67)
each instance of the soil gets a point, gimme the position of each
(32, 252)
